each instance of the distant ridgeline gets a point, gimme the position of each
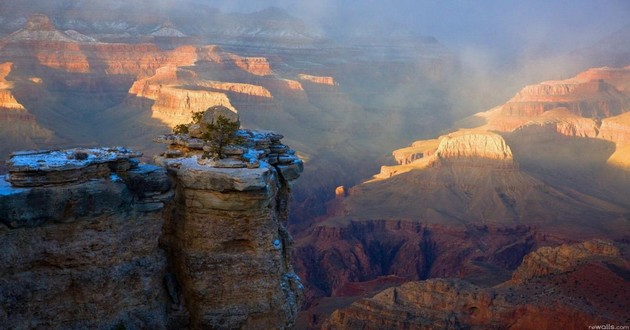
(91, 238)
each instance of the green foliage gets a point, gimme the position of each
(197, 116)
(183, 128)
(221, 133)
(180, 129)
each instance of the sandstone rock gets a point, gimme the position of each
(196, 176)
(175, 105)
(329, 81)
(565, 298)
(258, 66)
(555, 260)
(7, 99)
(616, 129)
(211, 114)
(41, 41)
(292, 171)
(227, 226)
(466, 144)
(588, 99)
(239, 88)
(39, 168)
(84, 254)
(229, 163)
(340, 192)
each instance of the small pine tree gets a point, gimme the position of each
(197, 116)
(180, 129)
(221, 133)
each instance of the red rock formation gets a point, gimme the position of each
(591, 291)
(41, 42)
(239, 88)
(547, 260)
(328, 81)
(596, 93)
(179, 92)
(258, 66)
(473, 144)
(333, 255)
(588, 99)
(458, 148)
(616, 129)
(618, 77)
(417, 150)
(7, 100)
(175, 105)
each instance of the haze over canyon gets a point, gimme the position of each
(471, 156)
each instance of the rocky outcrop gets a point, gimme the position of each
(7, 100)
(575, 106)
(593, 99)
(618, 77)
(258, 66)
(93, 239)
(83, 254)
(450, 303)
(417, 150)
(465, 144)
(616, 129)
(175, 105)
(228, 225)
(40, 43)
(36, 169)
(321, 80)
(239, 88)
(474, 148)
(561, 259)
(230, 250)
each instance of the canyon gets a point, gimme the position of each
(546, 168)
(498, 207)
(75, 77)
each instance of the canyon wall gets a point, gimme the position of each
(93, 239)
(588, 288)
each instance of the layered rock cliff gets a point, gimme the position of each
(41, 43)
(591, 291)
(576, 105)
(93, 239)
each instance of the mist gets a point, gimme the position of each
(505, 28)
